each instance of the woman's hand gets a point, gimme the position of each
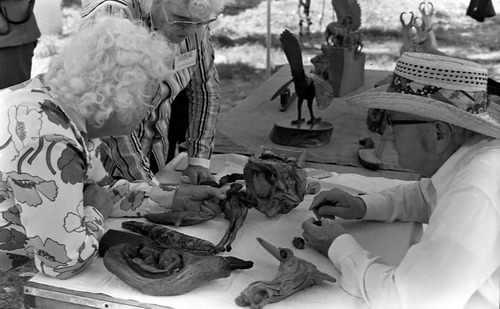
(98, 197)
(197, 174)
(198, 198)
(336, 202)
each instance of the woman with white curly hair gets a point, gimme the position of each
(54, 193)
(193, 89)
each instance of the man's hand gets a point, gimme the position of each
(98, 197)
(336, 202)
(197, 174)
(320, 237)
(198, 198)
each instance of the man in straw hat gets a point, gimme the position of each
(437, 110)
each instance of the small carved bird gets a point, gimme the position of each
(307, 86)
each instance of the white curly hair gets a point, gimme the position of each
(109, 67)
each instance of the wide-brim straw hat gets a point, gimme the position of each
(437, 87)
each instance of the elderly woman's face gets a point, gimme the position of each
(173, 20)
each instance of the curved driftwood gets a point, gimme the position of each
(168, 272)
(294, 275)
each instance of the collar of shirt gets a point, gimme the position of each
(464, 154)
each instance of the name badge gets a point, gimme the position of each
(185, 60)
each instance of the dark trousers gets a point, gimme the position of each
(15, 64)
(179, 122)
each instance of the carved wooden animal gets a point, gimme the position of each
(294, 274)
(335, 34)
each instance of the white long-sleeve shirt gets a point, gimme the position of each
(456, 264)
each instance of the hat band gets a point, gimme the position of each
(473, 102)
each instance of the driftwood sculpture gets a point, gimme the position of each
(307, 86)
(167, 272)
(180, 218)
(235, 208)
(166, 238)
(294, 275)
(277, 184)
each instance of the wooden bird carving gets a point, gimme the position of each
(307, 86)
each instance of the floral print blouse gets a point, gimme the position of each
(45, 162)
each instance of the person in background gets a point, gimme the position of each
(185, 25)
(437, 109)
(19, 35)
(54, 192)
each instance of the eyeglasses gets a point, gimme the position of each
(391, 123)
(187, 23)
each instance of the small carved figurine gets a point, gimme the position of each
(294, 275)
(167, 272)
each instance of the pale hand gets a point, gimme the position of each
(336, 202)
(198, 198)
(98, 197)
(197, 174)
(321, 234)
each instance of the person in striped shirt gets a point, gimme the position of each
(185, 24)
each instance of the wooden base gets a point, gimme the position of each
(345, 68)
(303, 135)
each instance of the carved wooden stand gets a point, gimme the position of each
(303, 135)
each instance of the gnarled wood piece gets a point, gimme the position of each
(294, 275)
(180, 218)
(167, 238)
(277, 184)
(167, 272)
(235, 208)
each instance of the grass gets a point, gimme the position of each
(239, 37)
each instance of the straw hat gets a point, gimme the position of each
(437, 87)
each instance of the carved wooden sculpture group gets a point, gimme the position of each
(172, 263)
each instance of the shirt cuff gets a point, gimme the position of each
(375, 207)
(342, 247)
(199, 161)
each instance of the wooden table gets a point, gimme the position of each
(240, 134)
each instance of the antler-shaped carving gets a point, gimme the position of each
(417, 32)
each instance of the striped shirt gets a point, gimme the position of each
(129, 156)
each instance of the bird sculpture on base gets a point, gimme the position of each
(308, 87)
